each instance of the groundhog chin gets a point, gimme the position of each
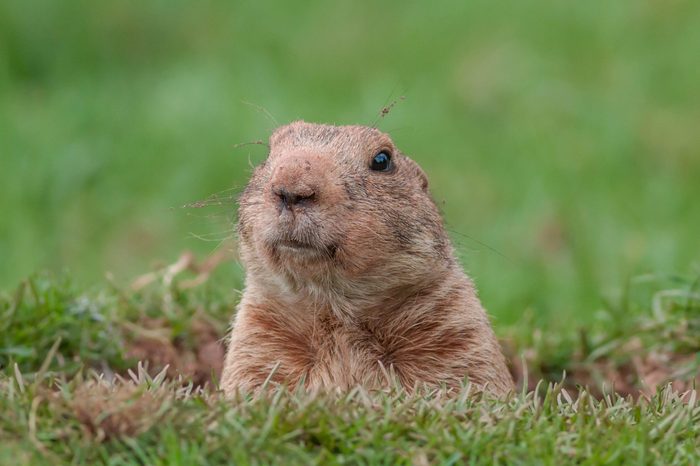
(296, 254)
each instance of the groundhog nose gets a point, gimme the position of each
(294, 197)
(293, 183)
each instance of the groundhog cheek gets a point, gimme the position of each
(366, 244)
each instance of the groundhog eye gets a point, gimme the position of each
(381, 162)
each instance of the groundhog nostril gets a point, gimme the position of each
(291, 198)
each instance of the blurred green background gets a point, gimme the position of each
(562, 139)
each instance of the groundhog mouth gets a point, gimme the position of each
(295, 244)
(302, 249)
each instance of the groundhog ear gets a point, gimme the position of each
(422, 178)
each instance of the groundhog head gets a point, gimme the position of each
(339, 204)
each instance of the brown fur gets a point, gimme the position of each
(353, 278)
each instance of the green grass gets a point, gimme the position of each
(620, 390)
(562, 135)
(177, 426)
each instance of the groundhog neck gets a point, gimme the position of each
(360, 300)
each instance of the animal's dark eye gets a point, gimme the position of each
(381, 162)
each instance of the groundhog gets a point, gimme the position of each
(350, 276)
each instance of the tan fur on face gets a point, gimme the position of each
(350, 273)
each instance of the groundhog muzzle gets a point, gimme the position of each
(350, 275)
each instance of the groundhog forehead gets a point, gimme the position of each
(310, 135)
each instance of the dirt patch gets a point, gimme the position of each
(199, 357)
(632, 370)
(118, 410)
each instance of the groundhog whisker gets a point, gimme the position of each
(263, 110)
(250, 143)
(207, 236)
(471, 238)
